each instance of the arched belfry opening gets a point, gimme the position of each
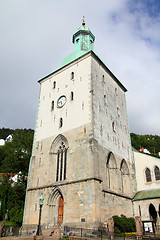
(55, 207)
(59, 153)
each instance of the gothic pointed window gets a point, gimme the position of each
(59, 151)
(61, 162)
(157, 173)
(148, 175)
(103, 80)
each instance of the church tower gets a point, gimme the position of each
(81, 160)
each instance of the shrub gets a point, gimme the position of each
(124, 224)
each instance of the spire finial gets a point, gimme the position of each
(83, 21)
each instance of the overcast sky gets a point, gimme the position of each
(36, 35)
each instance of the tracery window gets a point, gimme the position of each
(148, 175)
(61, 162)
(157, 173)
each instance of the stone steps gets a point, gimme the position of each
(54, 231)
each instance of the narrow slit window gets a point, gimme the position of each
(54, 85)
(52, 106)
(72, 96)
(60, 122)
(82, 105)
(72, 75)
(114, 126)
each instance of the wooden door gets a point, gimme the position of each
(60, 210)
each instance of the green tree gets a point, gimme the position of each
(16, 154)
(150, 142)
(5, 188)
(14, 158)
(4, 132)
(123, 224)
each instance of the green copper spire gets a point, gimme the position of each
(83, 41)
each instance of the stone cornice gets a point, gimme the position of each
(57, 184)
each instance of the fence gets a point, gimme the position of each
(10, 231)
(94, 233)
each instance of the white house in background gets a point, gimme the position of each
(9, 138)
(144, 150)
(147, 199)
(2, 142)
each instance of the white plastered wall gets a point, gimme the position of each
(74, 113)
(143, 161)
(109, 107)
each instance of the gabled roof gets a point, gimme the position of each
(90, 53)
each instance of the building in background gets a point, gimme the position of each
(147, 199)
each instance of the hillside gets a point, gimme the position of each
(4, 132)
(150, 142)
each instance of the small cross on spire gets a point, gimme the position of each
(83, 21)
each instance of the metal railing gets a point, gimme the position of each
(86, 232)
(102, 233)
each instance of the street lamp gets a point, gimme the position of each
(39, 232)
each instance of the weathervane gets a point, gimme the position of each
(83, 21)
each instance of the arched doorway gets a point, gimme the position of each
(153, 213)
(60, 210)
(55, 208)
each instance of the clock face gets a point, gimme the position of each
(61, 101)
